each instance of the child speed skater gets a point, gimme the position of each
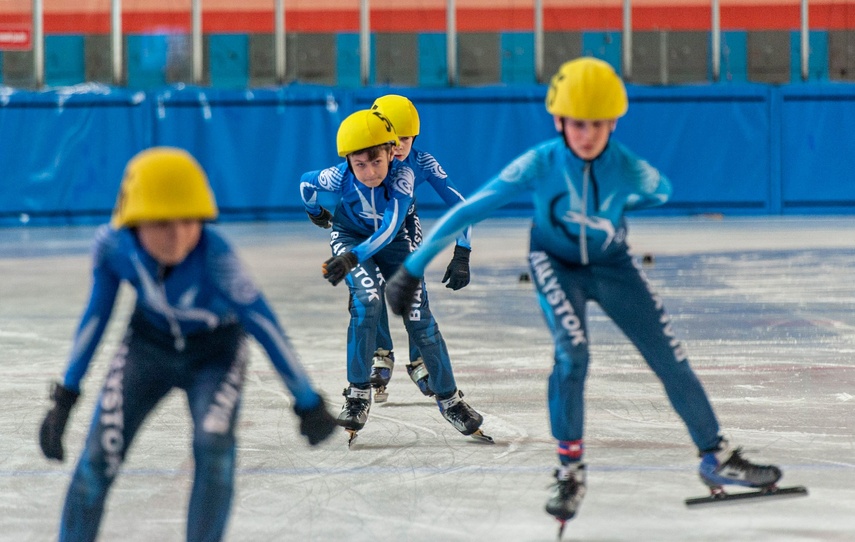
(405, 118)
(195, 307)
(376, 191)
(582, 183)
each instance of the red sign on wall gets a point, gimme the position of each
(15, 39)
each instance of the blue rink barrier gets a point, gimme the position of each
(735, 149)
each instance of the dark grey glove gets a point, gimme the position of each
(53, 426)
(316, 424)
(457, 273)
(401, 290)
(337, 267)
(323, 220)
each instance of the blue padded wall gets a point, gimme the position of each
(816, 168)
(253, 144)
(729, 148)
(64, 151)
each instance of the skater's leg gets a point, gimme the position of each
(383, 360)
(131, 390)
(424, 332)
(413, 229)
(626, 297)
(562, 299)
(421, 326)
(366, 307)
(214, 397)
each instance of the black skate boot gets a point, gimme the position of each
(569, 490)
(419, 374)
(381, 373)
(726, 466)
(354, 413)
(463, 417)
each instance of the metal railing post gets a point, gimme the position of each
(196, 40)
(364, 42)
(279, 40)
(627, 40)
(716, 40)
(538, 41)
(805, 41)
(116, 52)
(451, 41)
(39, 43)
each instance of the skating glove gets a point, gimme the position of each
(457, 273)
(401, 290)
(53, 426)
(337, 267)
(323, 220)
(316, 424)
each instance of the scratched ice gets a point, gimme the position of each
(764, 307)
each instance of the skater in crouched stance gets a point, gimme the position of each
(195, 305)
(582, 182)
(367, 235)
(405, 118)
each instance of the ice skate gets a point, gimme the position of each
(726, 466)
(354, 413)
(463, 417)
(419, 374)
(569, 490)
(381, 373)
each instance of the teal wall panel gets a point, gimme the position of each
(517, 50)
(229, 60)
(64, 60)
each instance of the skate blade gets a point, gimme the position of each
(380, 395)
(719, 496)
(561, 524)
(353, 434)
(481, 437)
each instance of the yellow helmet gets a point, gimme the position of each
(401, 112)
(587, 89)
(362, 130)
(163, 183)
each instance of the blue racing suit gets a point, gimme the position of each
(368, 222)
(578, 252)
(188, 330)
(426, 169)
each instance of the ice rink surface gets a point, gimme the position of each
(764, 306)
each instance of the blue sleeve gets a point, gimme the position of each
(499, 191)
(312, 182)
(258, 320)
(102, 298)
(653, 188)
(438, 179)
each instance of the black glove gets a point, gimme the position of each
(401, 290)
(316, 424)
(324, 220)
(337, 267)
(457, 273)
(53, 426)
